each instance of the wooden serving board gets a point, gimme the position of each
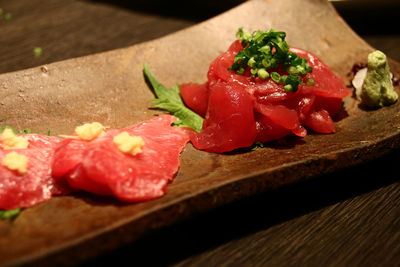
(110, 88)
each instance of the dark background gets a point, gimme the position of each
(351, 217)
(65, 29)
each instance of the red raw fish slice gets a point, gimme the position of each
(267, 130)
(142, 188)
(330, 104)
(68, 156)
(219, 67)
(283, 116)
(160, 155)
(320, 122)
(235, 47)
(229, 96)
(105, 170)
(326, 84)
(302, 104)
(229, 122)
(35, 186)
(79, 180)
(195, 97)
(268, 91)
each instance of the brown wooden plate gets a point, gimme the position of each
(110, 88)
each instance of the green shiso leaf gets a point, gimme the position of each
(9, 214)
(257, 145)
(171, 101)
(23, 131)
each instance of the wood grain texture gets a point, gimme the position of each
(350, 217)
(52, 26)
(82, 207)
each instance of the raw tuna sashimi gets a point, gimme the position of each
(275, 111)
(196, 96)
(36, 185)
(229, 124)
(98, 166)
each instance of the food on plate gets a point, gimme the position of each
(374, 84)
(134, 163)
(171, 101)
(16, 162)
(25, 175)
(10, 140)
(89, 131)
(261, 90)
(9, 214)
(129, 144)
(257, 91)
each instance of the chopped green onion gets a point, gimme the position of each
(243, 36)
(240, 71)
(288, 88)
(251, 62)
(37, 51)
(253, 71)
(263, 74)
(1, 11)
(276, 77)
(269, 51)
(293, 69)
(310, 81)
(265, 49)
(8, 16)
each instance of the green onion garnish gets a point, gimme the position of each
(262, 73)
(267, 51)
(310, 81)
(37, 51)
(8, 16)
(276, 77)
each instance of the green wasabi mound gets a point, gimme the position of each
(377, 90)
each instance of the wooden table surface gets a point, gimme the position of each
(351, 217)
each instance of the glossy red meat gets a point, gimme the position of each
(267, 130)
(195, 97)
(276, 112)
(282, 116)
(99, 167)
(320, 121)
(35, 186)
(327, 84)
(229, 122)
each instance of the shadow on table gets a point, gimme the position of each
(194, 10)
(258, 213)
(366, 17)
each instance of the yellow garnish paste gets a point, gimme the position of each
(89, 131)
(16, 162)
(11, 141)
(129, 144)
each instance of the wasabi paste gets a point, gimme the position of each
(377, 90)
